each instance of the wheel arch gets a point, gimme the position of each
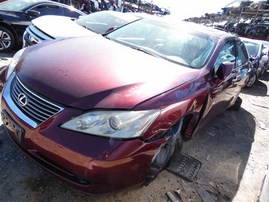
(182, 129)
(10, 28)
(192, 120)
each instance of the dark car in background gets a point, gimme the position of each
(109, 112)
(56, 27)
(16, 15)
(258, 55)
(266, 45)
(258, 29)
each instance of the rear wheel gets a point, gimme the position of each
(7, 40)
(251, 81)
(263, 70)
(171, 148)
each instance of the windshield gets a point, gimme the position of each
(253, 48)
(100, 22)
(172, 42)
(16, 5)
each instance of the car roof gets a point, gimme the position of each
(121, 15)
(142, 15)
(194, 27)
(251, 40)
(266, 43)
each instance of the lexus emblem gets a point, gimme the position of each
(32, 39)
(22, 99)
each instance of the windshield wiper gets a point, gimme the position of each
(155, 53)
(148, 51)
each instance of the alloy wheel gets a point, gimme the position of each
(5, 40)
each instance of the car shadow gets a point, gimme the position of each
(223, 148)
(265, 76)
(258, 89)
(7, 55)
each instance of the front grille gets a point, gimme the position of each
(35, 107)
(33, 35)
(27, 39)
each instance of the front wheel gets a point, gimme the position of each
(171, 148)
(7, 40)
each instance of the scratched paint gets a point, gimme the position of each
(193, 87)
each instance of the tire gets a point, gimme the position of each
(7, 40)
(237, 105)
(171, 149)
(251, 81)
(263, 70)
(252, 33)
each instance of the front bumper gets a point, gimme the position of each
(89, 163)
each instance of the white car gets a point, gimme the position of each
(57, 27)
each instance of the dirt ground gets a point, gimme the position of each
(233, 150)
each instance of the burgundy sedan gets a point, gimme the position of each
(108, 112)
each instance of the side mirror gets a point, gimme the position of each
(264, 51)
(252, 58)
(32, 13)
(224, 70)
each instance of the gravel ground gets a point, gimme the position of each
(233, 150)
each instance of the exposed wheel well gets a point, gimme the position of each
(171, 148)
(186, 121)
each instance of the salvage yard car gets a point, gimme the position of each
(258, 54)
(109, 112)
(16, 15)
(57, 27)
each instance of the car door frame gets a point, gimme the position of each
(222, 93)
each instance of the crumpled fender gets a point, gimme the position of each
(185, 101)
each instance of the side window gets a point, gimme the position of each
(47, 9)
(242, 54)
(227, 54)
(68, 12)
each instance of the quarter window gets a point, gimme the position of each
(242, 54)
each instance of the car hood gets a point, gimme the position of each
(94, 72)
(60, 27)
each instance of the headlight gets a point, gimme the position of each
(14, 62)
(117, 124)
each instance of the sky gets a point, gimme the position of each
(192, 8)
